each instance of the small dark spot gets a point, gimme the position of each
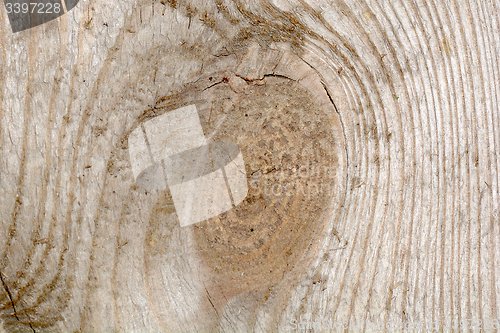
(251, 229)
(210, 78)
(246, 115)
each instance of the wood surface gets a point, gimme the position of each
(383, 115)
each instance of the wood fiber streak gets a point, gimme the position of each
(397, 101)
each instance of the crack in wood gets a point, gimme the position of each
(343, 133)
(9, 294)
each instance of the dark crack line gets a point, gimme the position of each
(208, 297)
(280, 76)
(224, 80)
(343, 133)
(9, 294)
(29, 323)
(12, 301)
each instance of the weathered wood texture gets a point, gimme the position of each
(397, 100)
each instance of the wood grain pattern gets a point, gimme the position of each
(398, 99)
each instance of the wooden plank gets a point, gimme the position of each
(370, 136)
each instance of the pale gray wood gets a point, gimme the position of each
(400, 99)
